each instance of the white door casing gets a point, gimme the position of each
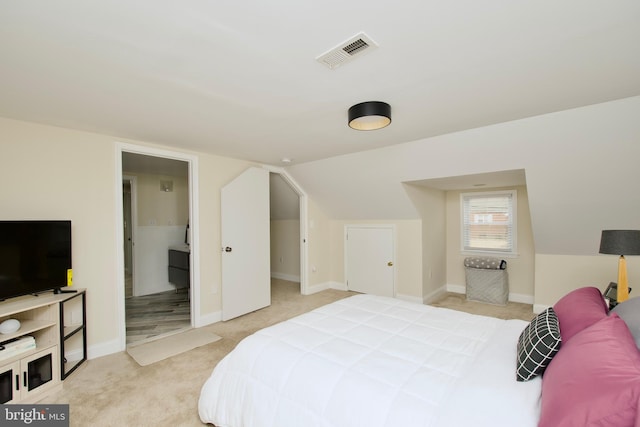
(370, 259)
(246, 269)
(194, 220)
(133, 221)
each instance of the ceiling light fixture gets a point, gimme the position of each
(370, 115)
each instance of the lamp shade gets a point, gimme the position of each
(370, 115)
(620, 242)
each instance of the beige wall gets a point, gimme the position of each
(442, 259)
(326, 247)
(431, 204)
(52, 173)
(422, 245)
(285, 249)
(428, 250)
(520, 268)
(408, 278)
(556, 275)
(318, 246)
(56, 173)
(161, 208)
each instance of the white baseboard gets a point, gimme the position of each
(434, 295)
(284, 276)
(409, 298)
(339, 286)
(522, 298)
(513, 297)
(103, 349)
(312, 289)
(456, 289)
(326, 285)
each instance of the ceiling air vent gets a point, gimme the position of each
(347, 51)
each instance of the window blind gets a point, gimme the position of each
(488, 221)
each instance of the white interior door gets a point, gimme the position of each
(246, 270)
(370, 260)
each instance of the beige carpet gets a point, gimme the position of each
(512, 310)
(115, 390)
(159, 349)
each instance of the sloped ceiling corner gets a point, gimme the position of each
(581, 173)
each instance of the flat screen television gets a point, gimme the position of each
(34, 256)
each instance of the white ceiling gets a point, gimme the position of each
(475, 181)
(240, 78)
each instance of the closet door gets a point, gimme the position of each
(370, 260)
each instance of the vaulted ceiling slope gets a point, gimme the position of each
(581, 170)
(241, 79)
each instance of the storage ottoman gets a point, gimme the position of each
(487, 280)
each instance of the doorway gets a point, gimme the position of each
(158, 302)
(247, 234)
(161, 200)
(285, 230)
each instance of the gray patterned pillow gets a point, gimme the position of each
(537, 345)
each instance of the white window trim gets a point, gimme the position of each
(514, 211)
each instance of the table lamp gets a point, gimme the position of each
(621, 242)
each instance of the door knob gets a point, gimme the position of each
(227, 249)
(390, 263)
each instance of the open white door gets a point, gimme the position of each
(246, 270)
(369, 260)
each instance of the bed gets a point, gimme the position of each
(374, 361)
(380, 362)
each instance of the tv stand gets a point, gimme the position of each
(57, 323)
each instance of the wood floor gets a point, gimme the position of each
(150, 316)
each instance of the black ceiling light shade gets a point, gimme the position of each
(370, 115)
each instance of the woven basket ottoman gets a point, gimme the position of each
(487, 280)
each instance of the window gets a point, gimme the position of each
(489, 222)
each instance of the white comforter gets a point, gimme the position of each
(374, 361)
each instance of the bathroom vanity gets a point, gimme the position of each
(179, 274)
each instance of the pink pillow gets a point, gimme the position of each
(594, 379)
(578, 310)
